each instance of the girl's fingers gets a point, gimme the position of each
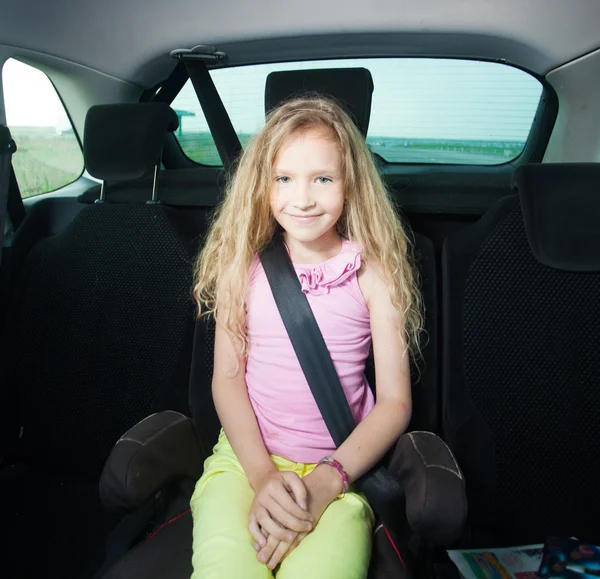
(267, 551)
(296, 542)
(283, 550)
(255, 531)
(297, 488)
(284, 499)
(280, 514)
(272, 528)
(278, 555)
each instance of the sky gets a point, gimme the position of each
(413, 98)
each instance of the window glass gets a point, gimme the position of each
(49, 155)
(423, 110)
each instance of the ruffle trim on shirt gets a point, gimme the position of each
(318, 279)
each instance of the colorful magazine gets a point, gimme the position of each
(509, 563)
(570, 559)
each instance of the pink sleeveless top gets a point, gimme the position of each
(289, 420)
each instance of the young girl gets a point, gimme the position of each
(276, 496)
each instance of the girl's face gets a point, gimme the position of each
(307, 192)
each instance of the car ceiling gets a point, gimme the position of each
(131, 39)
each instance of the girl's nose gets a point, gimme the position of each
(302, 198)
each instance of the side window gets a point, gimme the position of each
(193, 134)
(49, 155)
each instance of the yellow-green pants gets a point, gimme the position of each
(338, 548)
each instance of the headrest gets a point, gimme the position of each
(561, 210)
(350, 87)
(125, 141)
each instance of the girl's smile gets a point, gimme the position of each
(304, 219)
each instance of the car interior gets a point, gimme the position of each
(120, 124)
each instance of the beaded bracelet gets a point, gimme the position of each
(335, 464)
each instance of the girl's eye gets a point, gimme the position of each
(282, 179)
(323, 179)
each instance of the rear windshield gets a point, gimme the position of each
(430, 111)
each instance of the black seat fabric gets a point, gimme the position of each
(425, 372)
(521, 403)
(167, 553)
(103, 309)
(100, 335)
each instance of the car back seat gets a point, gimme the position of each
(168, 550)
(521, 363)
(99, 336)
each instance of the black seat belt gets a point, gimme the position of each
(383, 491)
(224, 135)
(170, 88)
(16, 209)
(7, 148)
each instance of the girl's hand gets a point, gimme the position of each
(279, 509)
(323, 485)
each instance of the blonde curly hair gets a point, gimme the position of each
(243, 223)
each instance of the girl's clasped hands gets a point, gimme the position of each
(286, 508)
